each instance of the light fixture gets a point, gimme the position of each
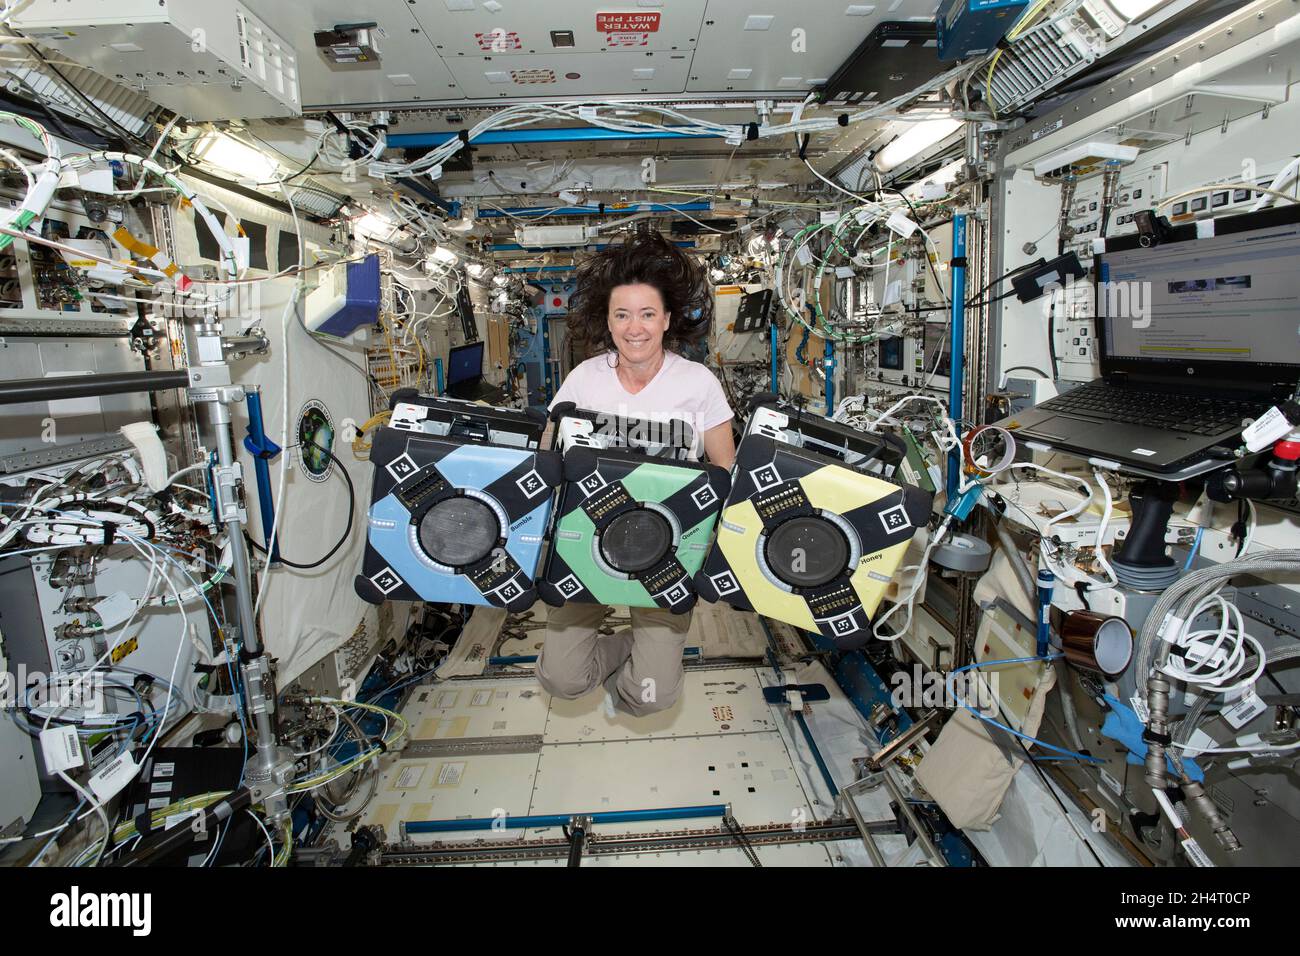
(936, 184)
(1133, 9)
(916, 139)
(444, 255)
(476, 269)
(229, 154)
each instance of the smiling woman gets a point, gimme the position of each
(642, 260)
(635, 303)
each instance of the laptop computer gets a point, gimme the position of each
(465, 375)
(1198, 333)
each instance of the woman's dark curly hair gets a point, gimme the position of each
(646, 258)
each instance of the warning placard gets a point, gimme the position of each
(643, 22)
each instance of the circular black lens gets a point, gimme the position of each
(459, 531)
(807, 552)
(636, 540)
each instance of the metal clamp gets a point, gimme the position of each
(260, 689)
(227, 480)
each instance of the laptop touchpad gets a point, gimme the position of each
(1063, 428)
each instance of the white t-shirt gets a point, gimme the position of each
(682, 390)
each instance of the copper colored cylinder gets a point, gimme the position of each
(1099, 642)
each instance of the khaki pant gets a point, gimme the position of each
(641, 668)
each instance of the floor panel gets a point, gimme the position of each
(491, 746)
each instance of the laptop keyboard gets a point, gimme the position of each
(1174, 411)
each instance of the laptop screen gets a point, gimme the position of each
(1229, 298)
(465, 363)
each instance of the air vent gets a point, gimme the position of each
(127, 109)
(313, 199)
(854, 173)
(1046, 56)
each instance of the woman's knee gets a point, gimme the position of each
(563, 685)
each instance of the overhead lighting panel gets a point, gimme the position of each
(229, 154)
(916, 140)
(537, 236)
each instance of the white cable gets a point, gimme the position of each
(1281, 179)
(1258, 748)
(954, 442)
(270, 844)
(290, 307)
(837, 186)
(42, 190)
(1170, 811)
(70, 695)
(1213, 657)
(22, 167)
(1069, 574)
(922, 572)
(197, 466)
(1101, 528)
(152, 153)
(229, 259)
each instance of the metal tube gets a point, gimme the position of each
(21, 390)
(510, 659)
(868, 839)
(773, 339)
(931, 852)
(559, 134)
(957, 361)
(239, 562)
(255, 670)
(817, 754)
(523, 212)
(516, 247)
(533, 270)
(563, 819)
